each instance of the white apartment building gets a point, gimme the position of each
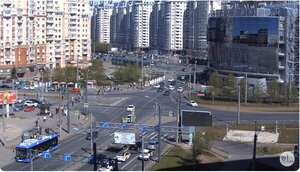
(141, 24)
(173, 16)
(43, 32)
(104, 14)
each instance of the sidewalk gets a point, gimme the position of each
(23, 121)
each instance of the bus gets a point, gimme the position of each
(36, 146)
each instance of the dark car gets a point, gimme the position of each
(160, 89)
(35, 101)
(136, 146)
(95, 135)
(167, 92)
(99, 158)
(173, 83)
(5, 86)
(18, 107)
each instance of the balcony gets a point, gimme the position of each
(50, 20)
(7, 2)
(50, 9)
(73, 36)
(50, 31)
(281, 67)
(85, 52)
(7, 13)
(20, 22)
(281, 54)
(73, 11)
(19, 40)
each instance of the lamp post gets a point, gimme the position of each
(157, 111)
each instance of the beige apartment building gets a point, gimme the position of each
(50, 33)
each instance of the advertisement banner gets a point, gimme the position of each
(8, 96)
(124, 138)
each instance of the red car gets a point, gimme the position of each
(29, 108)
(74, 90)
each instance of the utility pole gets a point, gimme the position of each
(31, 160)
(177, 120)
(60, 112)
(142, 73)
(195, 75)
(190, 83)
(246, 88)
(91, 128)
(239, 103)
(143, 147)
(77, 74)
(68, 111)
(4, 125)
(254, 148)
(95, 156)
(159, 130)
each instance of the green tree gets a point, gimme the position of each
(258, 91)
(243, 87)
(229, 85)
(58, 74)
(216, 82)
(13, 73)
(45, 75)
(101, 47)
(291, 92)
(273, 89)
(96, 71)
(128, 73)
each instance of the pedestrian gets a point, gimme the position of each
(44, 119)
(57, 110)
(36, 123)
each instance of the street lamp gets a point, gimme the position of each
(157, 110)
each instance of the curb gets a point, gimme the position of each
(219, 152)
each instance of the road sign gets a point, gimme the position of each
(171, 113)
(86, 105)
(67, 157)
(76, 112)
(124, 138)
(143, 127)
(47, 155)
(123, 126)
(105, 125)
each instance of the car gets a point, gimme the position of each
(161, 84)
(147, 154)
(19, 101)
(184, 69)
(18, 107)
(107, 165)
(160, 89)
(179, 90)
(136, 146)
(99, 158)
(192, 103)
(173, 83)
(130, 108)
(123, 156)
(5, 86)
(50, 89)
(35, 101)
(170, 79)
(129, 119)
(30, 103)
(171, 87)
(152, 145)
(88, 136)
(166, 93)
(156, 86)
(29, 108)
(74, 90)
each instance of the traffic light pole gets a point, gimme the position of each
(4, 125)
(68, 111)
(143, 147)
(159, 131)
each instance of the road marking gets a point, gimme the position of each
(130, 161)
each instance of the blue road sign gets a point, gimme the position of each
(143, 127)
(123, 126)
(105, 125)
(67, 157)
(47, 155)
(89, 158)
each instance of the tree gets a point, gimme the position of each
(58, 74)
(291, 92)
(216, 82)
(101, 47)
(229, 85)
(273, 89)
(129, 73)
(96, 71)
(14, 73)
(45, 74)
(258, 91)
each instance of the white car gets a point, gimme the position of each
(152, 145)
(147, 154)
(156, 86)
(130, 108)
(171, 79)
(171, 87)
(123, 156)
(192, 103)
(30, 103)
(179, 90)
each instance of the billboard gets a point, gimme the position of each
(124, 138)
(196, 118)
(8, 96)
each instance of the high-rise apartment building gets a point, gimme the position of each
(48, 33)
(103, 28)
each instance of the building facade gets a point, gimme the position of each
(43, 33)
(257, 39)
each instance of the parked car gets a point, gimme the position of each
(19, 101)
(30, 103)
(35, 101)
(152, 144)
(123, 156)
(147, 154)
(95, 135)
(129, 119)
(74, 90)
(170, 79)
(18, 107)
(107, 165)
(167, 92)
(130, 108)
(156, 86)
(173, 83)
(171, 87)
(50, 89)
(192, 103)
(29, 108)
(179, 90)
(160, 89)
(5, 86)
